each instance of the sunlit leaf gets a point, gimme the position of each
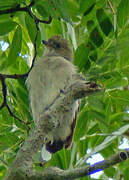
(86, 5)
(15, 46)
(81, 57)
(119, 97)
(82, 123)
(123, 13)
(108, 140)
(61, 159)
(6, 27)
(31, 27)
(60, 6)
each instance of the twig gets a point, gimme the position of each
(45, 22)
(4, 103)
(115, 17)
(13, 76)
(26, 9)
(4, 163)
(17, 8)
(83, 171)
(4, 91)
(111, 7)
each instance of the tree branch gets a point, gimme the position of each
(53, 173)
(25, 9)
(38, 136)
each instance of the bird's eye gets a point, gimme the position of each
(58, 45)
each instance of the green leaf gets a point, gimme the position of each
(108, 140)
(60, 6)
(101, 118)
(119, 97)
(110, 172)
(126, 174)
(115, 81)
(22, 96)
(5, 17)
(61, 159)
(55, 28)
(5, 118)
(3, 171)
(81, 57)
(82, 125)
(6, 27)
(95, 141)
(23, 67)
(93, 55)
(15, 46)
(47, 7)
(96, 103)
(31, 27)
(93, 126)
(86, 5)
(82, 147)
(73, 152)
(90, 25)
(89, 9)
(72, 8)
(96, 37)
(55, 8)
(123, 12)
(3, 63)
(120, 116)
(41, 10)
(9, 3)
(104, 21)
(8, 140)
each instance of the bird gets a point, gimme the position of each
(51, 75)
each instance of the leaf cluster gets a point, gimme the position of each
(98, 31)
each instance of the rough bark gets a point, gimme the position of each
(21, 167)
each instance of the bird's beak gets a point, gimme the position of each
(45, 42)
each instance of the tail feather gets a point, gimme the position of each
(69, 139)
(59, 144)
(55, 146)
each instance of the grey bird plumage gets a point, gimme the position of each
(49, 76)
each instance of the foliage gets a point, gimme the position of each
(99, 34)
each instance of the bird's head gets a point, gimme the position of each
(59, 47)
